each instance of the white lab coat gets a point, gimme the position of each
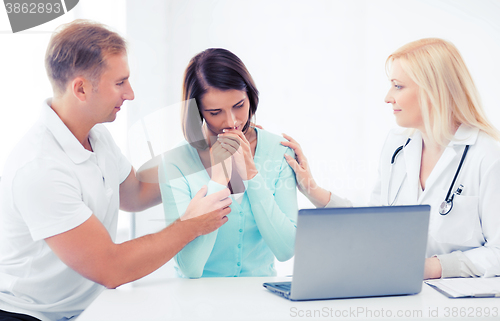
(473, 225)
(466, 240)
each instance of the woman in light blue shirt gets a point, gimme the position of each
(224, 150)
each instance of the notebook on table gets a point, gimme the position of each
(467, 287)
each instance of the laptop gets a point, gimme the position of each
(357, 252)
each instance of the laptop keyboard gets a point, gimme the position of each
(285, 286)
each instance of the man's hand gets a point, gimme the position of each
(207, 223)
(201, 204)
(89, 250)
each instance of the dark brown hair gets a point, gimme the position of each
(213, 68)
(79, 48)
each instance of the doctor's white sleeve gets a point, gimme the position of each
(337, 201)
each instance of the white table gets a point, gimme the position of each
(246, 299)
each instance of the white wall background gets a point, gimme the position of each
(319, 66)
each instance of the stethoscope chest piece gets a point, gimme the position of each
(445, 207)
(447, 204)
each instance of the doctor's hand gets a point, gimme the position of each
(237, 144)
(432, 268)
(305, 181)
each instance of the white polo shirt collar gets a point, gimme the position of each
(71, 146)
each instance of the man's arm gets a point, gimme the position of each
(137, 195)
(89, 250)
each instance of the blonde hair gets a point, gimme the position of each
(448, 96)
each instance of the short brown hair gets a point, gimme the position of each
(79, 48)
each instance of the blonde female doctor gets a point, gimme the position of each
(448, 157)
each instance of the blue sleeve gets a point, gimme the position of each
(275, 209)
(176, 195)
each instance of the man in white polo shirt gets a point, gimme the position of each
(65, 181)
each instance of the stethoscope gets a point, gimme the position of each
(447, 204)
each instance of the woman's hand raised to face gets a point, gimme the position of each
(221, 161)
(305, 181)
(235, 142)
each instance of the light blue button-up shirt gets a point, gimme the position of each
(262, 221)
